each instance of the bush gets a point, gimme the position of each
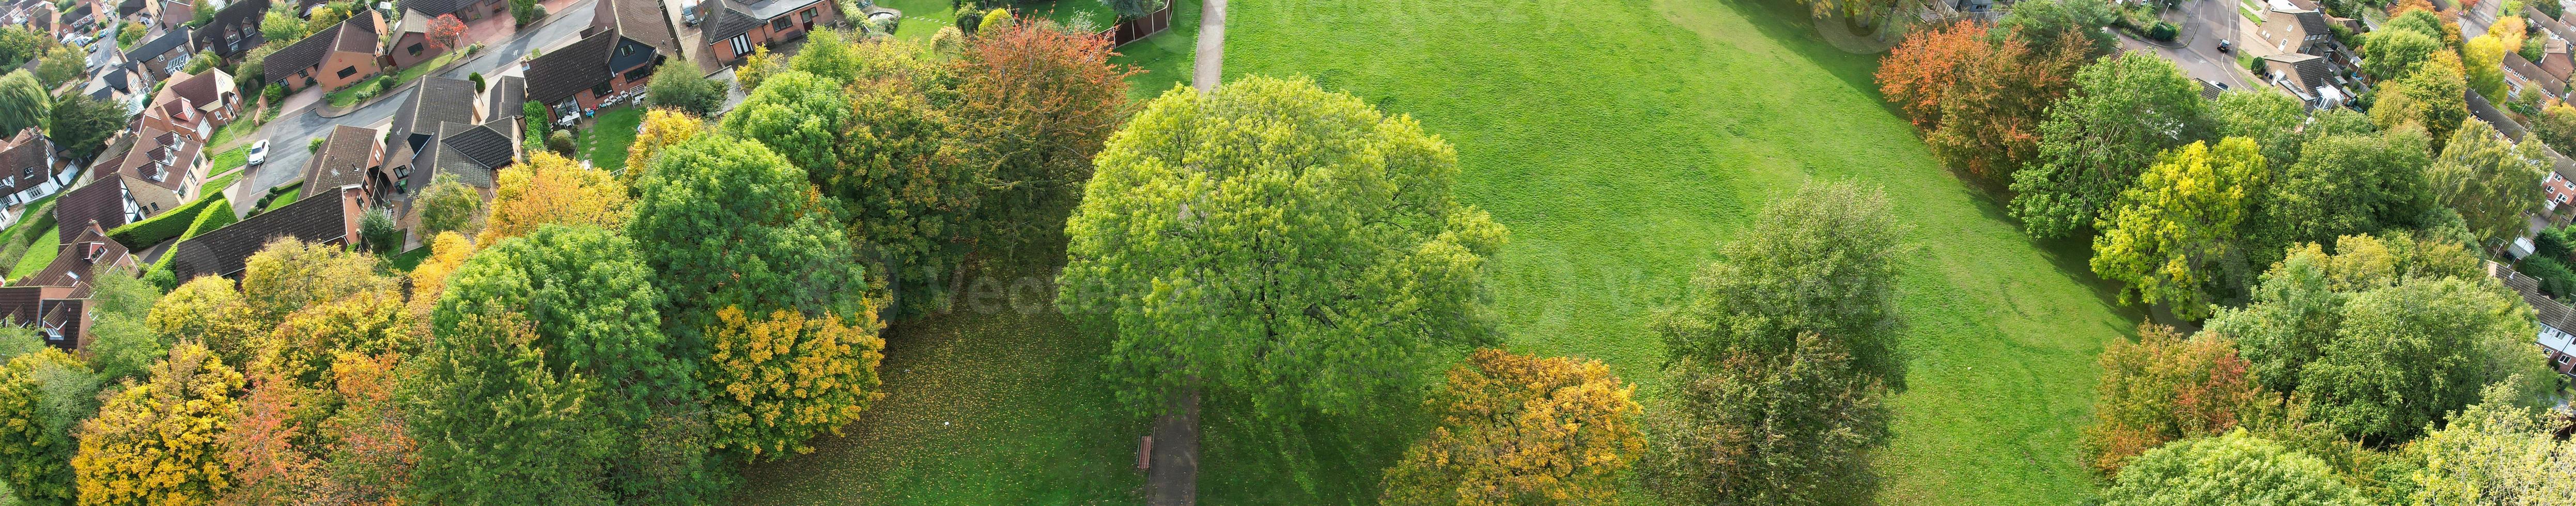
(377, 230)
(276, 93)
(2553, 275)
(2163, 31)
(2554, 243)
(151, 231)
(313, 147)
(560, 142)
(477, 78)
(968, 19)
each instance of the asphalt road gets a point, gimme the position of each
(2205, 23)
(292, 131)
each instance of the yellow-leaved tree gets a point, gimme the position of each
(1523, 429)
(662, 128)
(552, 189)
(209, 311)
(155, 443)
(301, 349)
(779, 380)
(2174, 235)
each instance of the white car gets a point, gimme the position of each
(258, 152)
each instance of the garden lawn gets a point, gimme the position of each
(234, 158)
(1623, 144)
(921, 18)
(40, 253)
(1165, 57)
(610, 134)
(284, 198)
(349, 95)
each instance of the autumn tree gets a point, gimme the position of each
(495, 425)
(767, 245)
(1928, 65)
(2434, 96)
(2172, 236)
(1790, 428)
(551, 189)
(371, 454)
(2496, 452)
(1823, 261)
(445, 31)
(449, 205)
(2489, 180)
(267, 450)
(2228, 470)
(288, 275)
(779, 379)
(1193, 306)
(1036, 102)
(661, 129)
(1985, 99)
(209, 311)
(1522, 429)
(155, 442)
(2482, 58)
(2121, 113)
(44, 396)
(2166, 387)
(302, 347)
(907, 188)
(2556, 125)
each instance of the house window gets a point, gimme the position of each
(780, 24)
(345, 72)
(414, 49)
(741, 44)
(30, 172)
(625, 49)
(809, 14)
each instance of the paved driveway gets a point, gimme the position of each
(292, 131)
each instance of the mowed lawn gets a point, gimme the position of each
(1622, 140)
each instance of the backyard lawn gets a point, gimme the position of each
(606, 141)
(921, 18)
(1165, 57)
(349, 95)
(1621, 147)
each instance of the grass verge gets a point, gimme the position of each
(349, 95)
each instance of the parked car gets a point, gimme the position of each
(2225, 45)
(689, 13)
(259, 152)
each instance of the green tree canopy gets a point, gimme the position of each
(2403, 356)
(725, 222)
(906, 187)
(449, 205)
(678, 85)
(1793, 429)
(44, 395)
(2046, 22)
(2391, 53)
(2496, 452)
(1824, 260)
(2489, 180)
(2231, 470)
(495, 426)
(23, 102)
(2433, 97)
(81, 124)
(2295, 311)
(2343, 184)
(1278, 242)
(2122, 113)
(2172, 238)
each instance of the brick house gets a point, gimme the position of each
(409, 44)
(234, 29)
(32, 167)
(324, 215)
(468, 10)
(332, 59)
(55, 300)
(162, 55)
(2555, 318)
(165, 159)
(614, 57)
(733, 28)
(178, 107)
(348, 154)
(436, 132)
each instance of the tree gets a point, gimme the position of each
(2122, 112)
(1979, 102)
(23, 102)
(495, 425)
(661, 129)
(2433, 96)
(2489, 180)
(254, 70)
(2273, 121)
(82, 124)
(288, 275)
(2228, 470)
(1860, 12)
(323, 16)
(280, 26)
(203, 13)
(565, 316)
(155, 442)
(1790, 429)
(2055, 23)
(677, 85)
(371, 455)
(1521, 429)
(1194, 306)
(1928, 65)
(266, 456)
(2495, 452)
(2483, 58)
(302, 348)
(208, 311)
(537, 120)
(767, 245)
(1036, 103)
(122, 343)
(2556, 125)
(129, 32)
(445, 31)
(44, 395)
(2402, 356)
(2172, 236)
(2296, 309)
(780, 379)
(550, 189)
(1823, 261)
(61, 65)
(20, 43)
(450, 205)
(2164, 388)
(798, 115)
(2341, 185)
(755, 68)
(907, 188)
(524, 11)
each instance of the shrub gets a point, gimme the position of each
(968, 19)
(276, 93)
(477, 78)
(995, 19)
(151, 231)
(2163, 31)
(313, 147)
(2554, 275)
(560, 142)
(377, 230)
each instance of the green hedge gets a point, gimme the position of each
(150, 231)
(217, 215)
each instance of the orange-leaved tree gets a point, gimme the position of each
(1523, 429)
(2167, 387)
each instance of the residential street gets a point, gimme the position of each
(293, 130)
(2204, 23)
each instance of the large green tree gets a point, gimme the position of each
(2496, 452)
(44, 395)
(2342, 184)
(2050, 22)
(495, 426)
(2123, 112)
(81, 124)
(1824, 260)
(2173, 237)
(1272, 241)
(2235, 469)
(906, 187)
(798, 115)
(2434, 96)
(2405, 355)
(2295, 310)
(1791, 429)
(2489, 180)
(724, 222)
(23, 102)
(2394, 53)
(677, 85)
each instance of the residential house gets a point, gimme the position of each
(2555, 318)
(347, 156)
(2527, 77)
(233, 30)
(506, 98)
(732, 28)
(410, 44)
(436, 132)
(55, 301)
(111, 201)
(468, 10)
(192, 105)
(163, 55)
(2307, 77)
(119, 81)
(613, 59)
(82, 17)
(31, 168)
(171, 14)
(36, 15)
(2555, 61)
(166, 159)
(332, 59)
(2290, 29)
(323, 215)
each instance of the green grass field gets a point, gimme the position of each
(608, 137)
(1621, 146)
(1165, 57)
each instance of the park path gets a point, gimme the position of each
(1173, 479)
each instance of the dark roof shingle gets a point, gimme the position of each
(318, 217)
(345, 156)
(557, 75)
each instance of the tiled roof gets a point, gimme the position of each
(507, 98)
(19, 303)
(558, 74)
(438, 100)
(2308, 71)
(318, 217)
(204, 88)
(2549, 311)
(412, 22)
(726, 19)
(79, 257)
(642, 20)
(434, 7)
(102, 201)
(356, 34)
(345, 156)
(486, 148)
(152, 198)
(27, 150)
(174, 39)
(242, 17)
